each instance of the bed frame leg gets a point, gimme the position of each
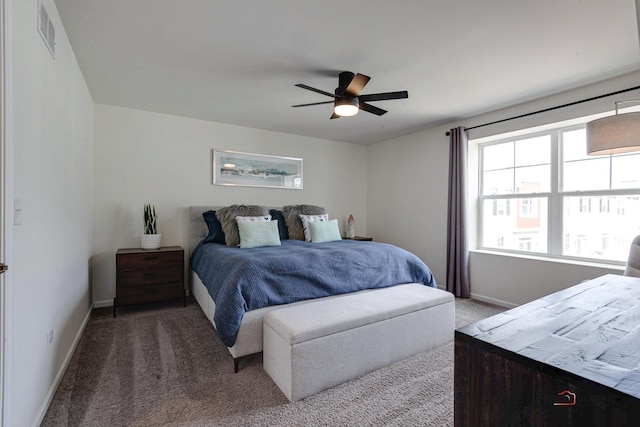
(236, 364)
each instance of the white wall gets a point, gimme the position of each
(407, 198)
(407, 195)
(53, 137)
(142, 157)
(511, 280)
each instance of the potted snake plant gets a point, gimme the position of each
(151, 238)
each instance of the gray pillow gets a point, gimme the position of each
(292, 214)
(227, 217)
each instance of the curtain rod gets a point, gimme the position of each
(552, 108)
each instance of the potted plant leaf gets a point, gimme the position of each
(151, 238)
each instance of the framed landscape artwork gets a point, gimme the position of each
(256, 170)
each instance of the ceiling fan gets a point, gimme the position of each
(347, 99)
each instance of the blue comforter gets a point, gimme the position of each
(241, 279)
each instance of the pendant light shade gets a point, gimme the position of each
(614, 134)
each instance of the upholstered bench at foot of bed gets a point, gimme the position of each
(315, 346)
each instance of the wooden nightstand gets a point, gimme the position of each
(360, 238)
(146, 275)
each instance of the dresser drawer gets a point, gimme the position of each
(149, 276)
(149, 260)
(149, 293)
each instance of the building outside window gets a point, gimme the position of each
(528, 208)
(542, 194)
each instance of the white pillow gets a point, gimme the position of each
(259, 233)
(263, 218)
(306, 219)
(324, 231)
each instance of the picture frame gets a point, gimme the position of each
(235, 168)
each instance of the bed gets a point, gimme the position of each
(252, 295)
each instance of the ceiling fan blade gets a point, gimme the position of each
(334, 116)
(358, 83)
(314, 103)
(384, 96)
(371, 109)
(313, 89)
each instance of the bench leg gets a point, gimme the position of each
(236, 364)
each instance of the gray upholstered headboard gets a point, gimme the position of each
(197, 227)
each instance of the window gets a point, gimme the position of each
(585, 204)
(541, 193)
(528, 208)
(604, 204)
(500, 208)
(525, 244)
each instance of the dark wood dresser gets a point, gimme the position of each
(569, 359)
(144, 275)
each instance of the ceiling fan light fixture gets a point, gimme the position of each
(346, 98)
(346, 107)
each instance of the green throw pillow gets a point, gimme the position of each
(324, 231)
(258, 234)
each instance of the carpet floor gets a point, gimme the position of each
(163, 365)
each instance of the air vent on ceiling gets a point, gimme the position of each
(46, 29)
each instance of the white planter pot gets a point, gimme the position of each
(151, 241)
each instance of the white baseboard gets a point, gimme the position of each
(493, 301)
(54, 386)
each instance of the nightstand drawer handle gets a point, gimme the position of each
(150, 258)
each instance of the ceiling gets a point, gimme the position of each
(236, 62)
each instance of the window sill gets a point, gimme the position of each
(611, 265)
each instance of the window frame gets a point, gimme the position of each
(556, 238)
